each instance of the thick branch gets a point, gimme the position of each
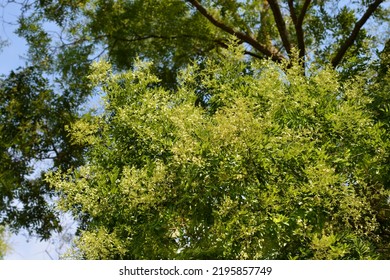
(292, 11)
(298, 21)
(273, 53)
(303, 11)
(280, 24)
(352, 37)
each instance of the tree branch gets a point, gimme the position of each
(292, 11)
(303, 11)
(272, 53)
(298, 21)
(352, 37)
(280, 24)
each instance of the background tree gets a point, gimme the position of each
(32, 130)
(276, 165)
(173, 32)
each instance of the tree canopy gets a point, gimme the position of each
(174, 32)
(209, 149)
(276, 165)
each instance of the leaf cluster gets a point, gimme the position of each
(273, 165)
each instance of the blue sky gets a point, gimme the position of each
(10, 56)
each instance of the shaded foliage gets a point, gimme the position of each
(32, 130)
(171, 33)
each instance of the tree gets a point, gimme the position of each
(172, 33)
(276, 165)
(32, 130)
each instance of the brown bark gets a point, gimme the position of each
(280, 24)
(298, 22)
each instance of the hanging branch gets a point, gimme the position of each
(352, 37)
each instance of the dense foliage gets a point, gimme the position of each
(275, 165)
(32, 130)
(298, 144)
